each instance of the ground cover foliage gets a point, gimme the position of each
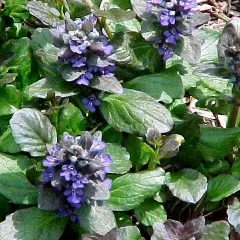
(119, 120)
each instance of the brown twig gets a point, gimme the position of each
(221, 16)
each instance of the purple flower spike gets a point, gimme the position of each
(172, 12)
(91, 103)
(81, 162)
(81, 43)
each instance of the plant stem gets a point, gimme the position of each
(234, 118)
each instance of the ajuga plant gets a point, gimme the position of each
(119, 120)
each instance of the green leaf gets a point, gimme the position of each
(214, 81)
(47, 15)
(129, 233)
(69, 74)
(162, 87)
(134, 52)
(188, 185)
(185, 70)
(150, 212)
(10, 100)
(120, 158)
(216, 230)
(235, 170)
(97, 219)
(135, 112)
(221, 187)
(32, 223)
(7, 143)
(107, 84)
(190, 47)
(32, 131)
(13, 182)
(150, 31)
(125, 26)
(70, 120)
(21, 60)
(217, 167)
(121, 4)
(40, 38)
(61, 88)
(115, 14)
(215, 105)
(209, 48)
(7, 78)
(140, 152)
(217, 142)
(130, 190)
(110, 135)
(16, 9)
(49, 199)
(233, 213)
(140, 6)
(47, 59)
(77, 8)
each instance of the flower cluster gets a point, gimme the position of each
(76, 169)
(84, 51)
(172, 13)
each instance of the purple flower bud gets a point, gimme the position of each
(166, 51)
(107, 183)
(186, 5)
(171, 35)
(47, 175)
(68, 171)
(50, 161)
(77, 47)
(91, 103)
(74, 195)
(167, 17)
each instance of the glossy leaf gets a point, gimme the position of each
(70, 120)
(120, 158)
(150, 212)
(188, 185)
(135, 112)
(32, 131)
(47, 15)
(222, 186)
(62, 89)
(28, 223)
(128, 191)
(162, 87)
(98, 219)
(13, 182)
